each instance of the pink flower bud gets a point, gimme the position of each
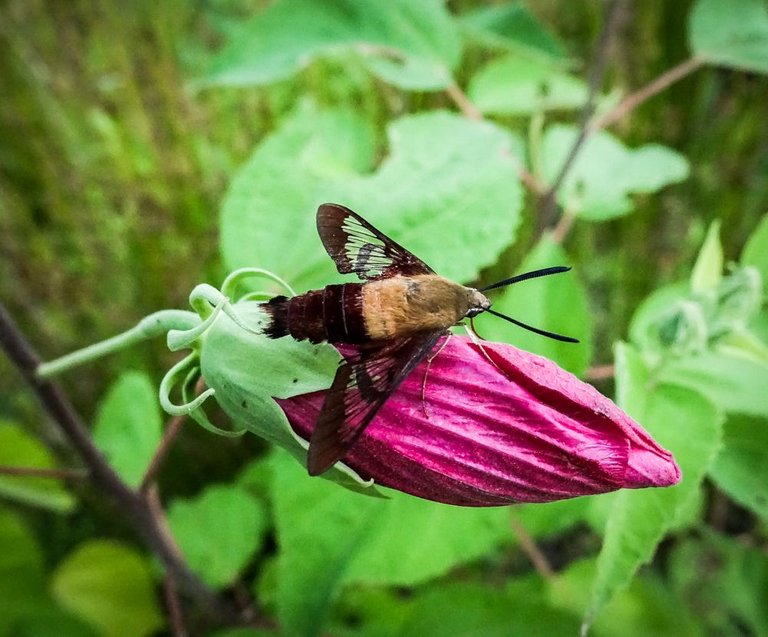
(515, 428)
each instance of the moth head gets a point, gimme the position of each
(477, 303)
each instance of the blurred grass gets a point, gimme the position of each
(111, 170)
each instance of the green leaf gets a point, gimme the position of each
(732, 382)
(448, 191)
(708, 270)
(413, 45)
(510, 26)
(128, 426)
(741, 469)
(726, 581)
(517, 86)
(557, 303)
(646, 607)
(343, 538)
(732, 33)
(605, 173)
(22, 583)
(690, 426)
(19, 449)
(218, 532)
(756, 251)
(475, 610)
(110, 586)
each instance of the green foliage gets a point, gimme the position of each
(109, 585)
(128, 426)
(599, 185)
(218, 532)
(20, 449)
(412, 45)
(110, 170)
(731, 33)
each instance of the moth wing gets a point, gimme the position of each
(362, 384)
(357, 247)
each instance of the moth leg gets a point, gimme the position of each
(426, 373)
(476, 338)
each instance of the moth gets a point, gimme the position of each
(395, 317)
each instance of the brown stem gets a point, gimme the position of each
(173, 607)
(172, 431)
(548, 204)
(600, 372)
(134, 507)
(531, 549)
(632, 101)
(39, 472)
(462, 101)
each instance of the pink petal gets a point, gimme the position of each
(516, 428)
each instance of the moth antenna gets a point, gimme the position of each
(535, 330)
(533, 274)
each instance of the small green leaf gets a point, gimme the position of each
(756, 251)
(218, 532)
(690, 427)
(449, 192)
(343, 538)
(732, 33)
(708, 270)
(19, 449)
(22, 583)
(741, 469)
(518, 86)
(734, 383)
(412, 45)
(605, 173)
(474, 610)
(556, 303)
(128, 426)
(510, 26)
(110, 586)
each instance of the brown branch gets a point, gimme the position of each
(134, 507)
(172, 431)
(600, 372)
(464, 104)
(173, 607)
(632, 101)
(531, 549)
(548, 203)
(39, 472)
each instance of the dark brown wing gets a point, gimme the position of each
(356, 246)
(362, 385)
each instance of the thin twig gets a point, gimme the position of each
(462, 101)
(548, 202)
(173, 606)
(172, 430)
(134, 507)
(39, 472)
(633, 100)
(531, 549)
(563, 227)
(600, 372)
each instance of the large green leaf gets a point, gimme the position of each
(22, 583)
(557, 303)
(128, 426)
(110, 586)
(512, 27)
(605, 173)
(328, 536)
(413, 45)
(448, 191)
(691, 427)
(731, 33)
(741, 469)
(19, 449)
(732, 382)
(518, 86)
(218, 532)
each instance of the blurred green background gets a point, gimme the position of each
(122, 128)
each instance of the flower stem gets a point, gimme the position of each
(149, 327)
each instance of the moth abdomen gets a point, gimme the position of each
(333, 314)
